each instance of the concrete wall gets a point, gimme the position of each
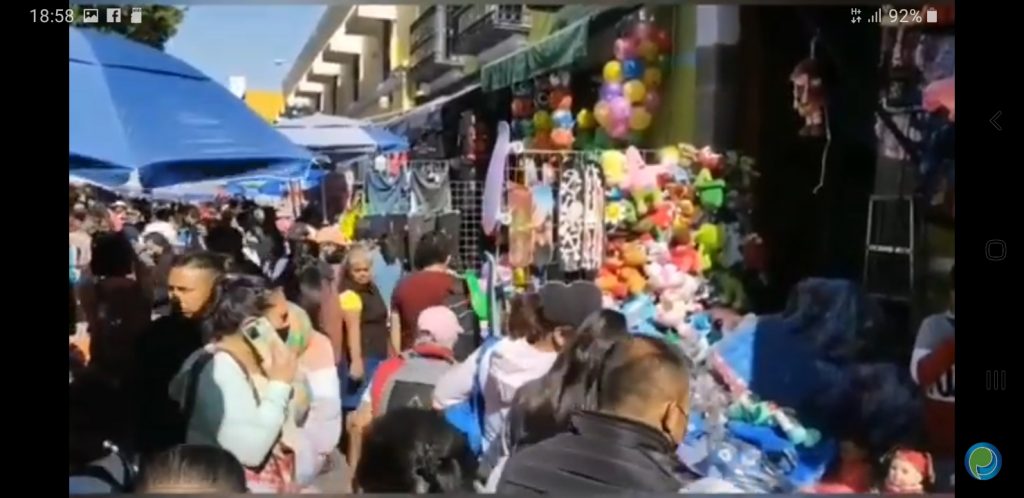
(718, 36)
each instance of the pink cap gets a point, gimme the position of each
(439, 325)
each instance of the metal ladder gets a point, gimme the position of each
(889, 248)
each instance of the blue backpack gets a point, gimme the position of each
(468, 416)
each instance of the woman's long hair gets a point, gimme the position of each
(544, 405)
(236, 299)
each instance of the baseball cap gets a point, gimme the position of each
(568, 305)
(439, 325)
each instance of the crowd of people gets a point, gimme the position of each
(235, 348)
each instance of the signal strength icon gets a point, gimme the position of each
(876, 18)
(854, 16)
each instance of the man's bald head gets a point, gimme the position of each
(647, 380)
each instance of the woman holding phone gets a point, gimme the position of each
(366, 324)
(237, 391)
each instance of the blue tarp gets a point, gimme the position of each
(134, 108)
(341, 135)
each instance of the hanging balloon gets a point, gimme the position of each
(612, 72)
(610, 91)
(603, 113)
(652, 101)
(542, 121)
(585, 120)
(652, 77)
(639, 119)
(620, 110)
(633, 69)
(619, 132)
(648, 50)
(624, 49)
(562, 119)
(635, 91)
(661, 39)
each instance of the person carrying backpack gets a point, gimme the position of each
(477, 394)
(408, 380)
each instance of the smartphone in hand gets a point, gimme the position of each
(259, 333)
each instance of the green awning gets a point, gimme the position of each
(561, 49)
(566, 46)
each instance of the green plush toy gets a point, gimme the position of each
(710, 191)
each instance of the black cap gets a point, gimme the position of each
(569, 304)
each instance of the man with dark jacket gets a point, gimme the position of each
(628, 444)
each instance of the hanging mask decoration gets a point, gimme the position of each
(809, 97)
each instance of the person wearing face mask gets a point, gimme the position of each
(628, 443)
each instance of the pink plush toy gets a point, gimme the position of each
(642, 181)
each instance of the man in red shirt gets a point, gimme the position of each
(429, 286)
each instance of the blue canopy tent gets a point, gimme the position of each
(341, 139)
(137, 114)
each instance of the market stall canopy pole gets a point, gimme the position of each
(132, 108)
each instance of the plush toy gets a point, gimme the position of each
(613, 163)
(686, 258)
(619, 213)
(709, 239)
(768, 414)
(672, 309)
(909, 471)
(634, 255)
(708, 159)
(663, 276)
(611, 284)
(658, 222)
(710, 190)
(639, 312)
(642, 180)
(732, 253)
(634, 279)
(809, 97)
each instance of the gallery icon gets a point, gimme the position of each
(114, 14)
(136, 16)
(90, 16)
(983, 461)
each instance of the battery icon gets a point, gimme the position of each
(931, 16)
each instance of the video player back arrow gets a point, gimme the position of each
(995, 117)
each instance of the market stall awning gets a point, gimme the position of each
(138, 114)
(339, 133)
(422, 115)
(562, 48)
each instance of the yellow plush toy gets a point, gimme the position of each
(710, 239)
(613, 163)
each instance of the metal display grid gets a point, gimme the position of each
(467, 196)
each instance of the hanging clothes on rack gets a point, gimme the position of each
(593, 213)
(386, 193)
(570, 218)
(430, 182)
